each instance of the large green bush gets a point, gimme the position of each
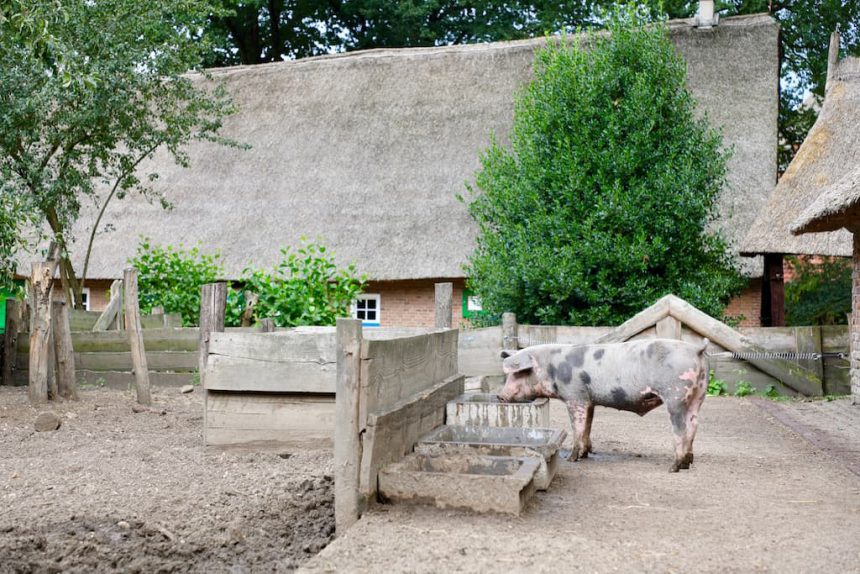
(604, 200)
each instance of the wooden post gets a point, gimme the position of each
(135, 337)
(347, 443)
(773, 292)
(854, 322)
(41, 282)
(510, 332)
(213, 306)
(444, 304)
(669, 328)
(63, 351)
(267, 325)
(10, 343)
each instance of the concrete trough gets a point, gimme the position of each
(540, 443)
(485, 409)
(472, 482)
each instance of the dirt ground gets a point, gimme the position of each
(774, 488)
(113, 490)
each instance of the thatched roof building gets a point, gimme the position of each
(838, 206)
(826, 159)
(367, 151)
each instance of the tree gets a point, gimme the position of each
(804, 41)
(90, 91)
(268, 30)
(602, 203)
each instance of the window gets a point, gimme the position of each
(367, 308)
(471, 304)
(85, 298)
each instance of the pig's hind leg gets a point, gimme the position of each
(580, 421)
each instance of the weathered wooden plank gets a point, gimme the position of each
(112, 341)
(392, 433)
(238, 418)
(82, 320)
(40, 336)
(10, 341)
(117, 379)
(121, 361)
(837, 379)
(280, 346)
(347, 442)
(238, 374)
(579, 335)
(213, 307)
(777, 339)
(808, 341)
(444, 302)
(135, 336)
(788, 372)
(639, 322)
(834, 339)
(112, 313)
(63, 352)
(510, 332)
(669, 328)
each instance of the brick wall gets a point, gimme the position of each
(99, 293)
(748, 304)
(413, 303)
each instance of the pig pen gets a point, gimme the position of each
(276, 389)
(114, 490)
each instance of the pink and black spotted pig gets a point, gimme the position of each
(636, 376)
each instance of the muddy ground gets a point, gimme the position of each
(113, 490)
(773, 489)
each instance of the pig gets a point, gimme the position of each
(636, 376)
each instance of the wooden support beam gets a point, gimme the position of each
(63, 351)
(41, 281)
(13, 326)
(638, 323)
(135, 337)
(267, 325)
(347, 442)
(113, 310)
(789, 372)
(444, 304)
(510, 332)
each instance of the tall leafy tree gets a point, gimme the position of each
(602, 202)
(90, 90)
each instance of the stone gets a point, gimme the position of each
(47, 421)
(187, 389)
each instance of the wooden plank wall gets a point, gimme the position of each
(405, 384)
(479, 351)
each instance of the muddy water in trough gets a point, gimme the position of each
(113, 490)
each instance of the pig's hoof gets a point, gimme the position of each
(688, 459)
(675, 467)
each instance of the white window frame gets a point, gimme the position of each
(86, 295)
(368, 297)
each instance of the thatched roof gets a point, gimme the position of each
(366, 151)
(837, 207)
(829, 152)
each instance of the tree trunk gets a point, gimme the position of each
(65, 372)
(40, 332)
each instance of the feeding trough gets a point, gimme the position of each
(473, 482)
(540, 443)
(485, 409)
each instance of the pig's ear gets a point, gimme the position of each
(522, 363)
(507, 353)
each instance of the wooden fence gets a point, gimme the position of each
(479, 351)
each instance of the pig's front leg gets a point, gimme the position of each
(580, 420)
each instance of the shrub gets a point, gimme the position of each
(604, 201)
(305, 288)
(171, 278)
(820, 293)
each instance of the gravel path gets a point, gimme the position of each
(113, 490)
(760, 498)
